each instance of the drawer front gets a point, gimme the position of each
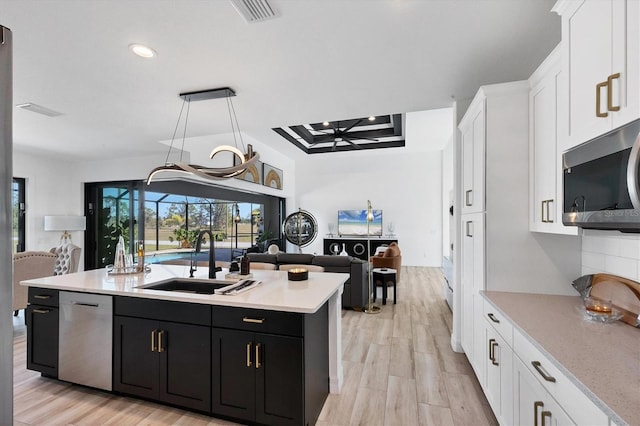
(163, 310)
(43, 297)
(259, 320)
(572, 400)
(499, 322)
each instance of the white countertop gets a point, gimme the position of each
(275, 293)
(585, 351)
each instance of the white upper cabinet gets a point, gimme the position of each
(601, 49)
(546, 130)
(472, 129)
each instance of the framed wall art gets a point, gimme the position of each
(272, 176)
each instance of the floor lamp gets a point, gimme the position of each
(371, 308)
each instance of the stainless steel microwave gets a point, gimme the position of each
(601, 181)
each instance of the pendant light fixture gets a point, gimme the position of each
(245, 160)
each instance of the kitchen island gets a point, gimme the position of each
(211, 350)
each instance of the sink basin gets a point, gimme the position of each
(187, 286)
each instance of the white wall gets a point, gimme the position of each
(406, 187)
(611, 252)
(447, 187)
(51, 190)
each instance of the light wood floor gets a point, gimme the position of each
(399, 369)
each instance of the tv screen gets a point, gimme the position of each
(354, 222)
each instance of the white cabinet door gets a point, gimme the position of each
(472, 279)
(602, 62)
(546, 123)
(473, 146)
(499, 375)
(533, 406)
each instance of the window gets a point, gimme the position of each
(18, 197)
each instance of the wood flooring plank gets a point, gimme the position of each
(430, 385)
(402, 406)
(465, 403)
(376, 367)
(369, 407)
(432, 415)
(401, 363)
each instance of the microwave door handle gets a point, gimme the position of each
(632, 174)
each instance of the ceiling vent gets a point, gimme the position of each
(254, 10)
(38, 109)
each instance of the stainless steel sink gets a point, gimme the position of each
(185, 285)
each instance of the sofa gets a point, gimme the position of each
(355, 288)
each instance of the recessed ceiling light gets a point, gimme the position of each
(30, 106)
(142, 50)
(372, 118)
(325, 123)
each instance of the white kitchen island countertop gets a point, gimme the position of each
(275, 293)
(603, 360)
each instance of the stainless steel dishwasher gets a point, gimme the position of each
(85, 342)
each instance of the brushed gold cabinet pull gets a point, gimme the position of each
(545, 414)
(548, 215)
(258, 355)
(599, 87)
(253, 320)
(542, 203)
(41, 311)
(249, 354)
(153, 341)
(491, 349)
(42, 296)
(467, 193)
(495, 344)
(160, 347)
(610, 79)
(542, 371)
(493, 318)
(536, 405)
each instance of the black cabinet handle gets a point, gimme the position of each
(536, 405)
(542, 371)
(493, 318)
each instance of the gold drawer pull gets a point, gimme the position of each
(160, 347)
(599, 87)
(42, 296)
(542, 371)
(610, 79)
(153, 341)
(253, 320)
(41, 311)
(494, 345)
(545, 414)
(258, 355)
(249, 354)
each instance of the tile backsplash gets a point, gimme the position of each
(611, 252)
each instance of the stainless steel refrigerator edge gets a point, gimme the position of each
(6, 262)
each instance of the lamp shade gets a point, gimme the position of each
(65, 223)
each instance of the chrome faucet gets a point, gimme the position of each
(212, 256)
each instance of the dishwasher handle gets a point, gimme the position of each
(91, 305)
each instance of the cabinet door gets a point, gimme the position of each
(533, 405)
(42, 339)
(233, 373)
(587, 30)
(185, 365)
(499, 375)
(279, 379)
(472, 278)
(135, 356)
(473, 146)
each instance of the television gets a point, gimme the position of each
(354, 223)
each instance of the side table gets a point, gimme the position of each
(384, 277)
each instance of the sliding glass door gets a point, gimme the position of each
(18, 197)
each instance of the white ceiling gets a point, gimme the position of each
(320, 60)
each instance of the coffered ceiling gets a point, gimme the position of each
(317, 60)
